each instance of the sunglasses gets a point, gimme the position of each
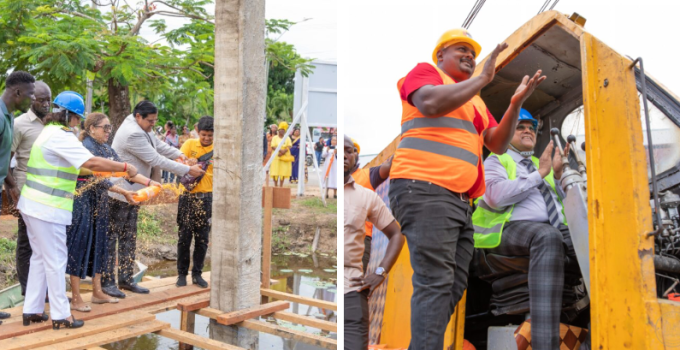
(523, 127)
(107, 127)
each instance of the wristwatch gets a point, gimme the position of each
(380, 271)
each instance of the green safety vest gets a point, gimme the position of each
(45, 183)
(488, 222)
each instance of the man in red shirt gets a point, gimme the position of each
(437, 168)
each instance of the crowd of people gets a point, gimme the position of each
(71, 218)
(285, 164)
(436, 173)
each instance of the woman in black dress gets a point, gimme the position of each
(86, 237)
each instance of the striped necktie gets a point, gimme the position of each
(545, 192)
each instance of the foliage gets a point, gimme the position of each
(60, 41)
(317, 204)
(7, 257)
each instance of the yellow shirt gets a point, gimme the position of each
(192, 149)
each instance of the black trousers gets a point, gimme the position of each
(356, 320)
(438, 227)
(23, 255)
(367, 252)
(122, 230)
(194, 216)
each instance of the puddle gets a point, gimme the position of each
(300, 274)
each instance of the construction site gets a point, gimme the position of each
(272, 273)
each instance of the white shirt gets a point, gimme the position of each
(63, 150)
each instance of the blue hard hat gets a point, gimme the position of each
(71, 101)
(525, 115)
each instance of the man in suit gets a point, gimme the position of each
(135, 144)
(524, 194)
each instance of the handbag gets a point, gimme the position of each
(188, 181)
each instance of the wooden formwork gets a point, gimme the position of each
(134, 316)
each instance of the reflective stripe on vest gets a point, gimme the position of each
(446, 150)
(47, 184)
(489, 222)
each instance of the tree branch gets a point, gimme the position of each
(207, 64)
(181, 14)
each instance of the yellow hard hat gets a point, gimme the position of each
(283, 125)
(356, 145)
(454, 36)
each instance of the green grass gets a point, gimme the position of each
(317, 203)
(280, 241)
(7, 259)
(149, 228)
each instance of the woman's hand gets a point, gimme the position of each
(191, 161)
(282, 152)
(128, 196)
(154, 183)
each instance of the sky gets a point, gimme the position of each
(380, 42)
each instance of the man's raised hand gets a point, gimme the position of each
(490, 66)
(526, 88)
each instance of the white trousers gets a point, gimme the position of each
(48, 266)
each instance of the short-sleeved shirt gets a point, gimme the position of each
(6, 131)
(192, 148)
(27, 128)
(425, 74)
(361, 204)
(63, 150)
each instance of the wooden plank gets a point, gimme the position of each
(233, 317)
(172, 304)
(153, 286)
(267, 239)
(139, 301)
(196, 340)
(96, 326)
(299, 299)
(326, 343)
(281, 197)
(193, 306)
(306, 321)
(186, 323)
(209, 312)
(109, 336)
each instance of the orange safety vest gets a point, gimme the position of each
(446, 150)
(362, 178)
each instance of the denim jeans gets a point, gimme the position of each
(318, 157)
(437, 224)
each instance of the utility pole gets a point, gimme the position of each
(240, 98)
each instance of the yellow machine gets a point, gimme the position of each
(627, 245)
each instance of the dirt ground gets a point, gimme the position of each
(293, 230)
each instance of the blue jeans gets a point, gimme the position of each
(318, 157)
(437, 224)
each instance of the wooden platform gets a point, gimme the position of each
(134, 316)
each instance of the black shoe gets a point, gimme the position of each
(28, 318)
(197, 279)
(134, 288)
(56, 324)
(181, 281)
(112, 291)
(4, 315)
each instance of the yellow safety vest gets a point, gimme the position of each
(489, 222)
(45, 183)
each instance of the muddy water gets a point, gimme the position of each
(305, 275)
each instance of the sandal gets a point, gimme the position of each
(96, 300)
(85, 308)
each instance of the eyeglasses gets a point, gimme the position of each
(523, 127)
(107, 127)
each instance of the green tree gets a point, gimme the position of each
(60, 41)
